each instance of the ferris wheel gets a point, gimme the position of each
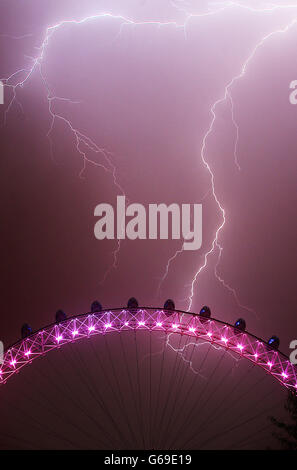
(141, 378)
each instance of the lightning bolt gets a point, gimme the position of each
(227, 94)
(82, 142)
(236, 133)
(85, 146)
(183, 349)
(173, 257)
(215, 245)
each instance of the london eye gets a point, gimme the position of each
(141, 378)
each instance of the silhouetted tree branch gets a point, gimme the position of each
(288, 435)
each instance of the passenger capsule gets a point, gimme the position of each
(60, 316)
(273, 342)
(96, 307)
(204, 314)
(239, 326)
(169, 307)
(26, 330)
(132, 304)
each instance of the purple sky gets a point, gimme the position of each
(144, 93)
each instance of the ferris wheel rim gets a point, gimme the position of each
(278, 369)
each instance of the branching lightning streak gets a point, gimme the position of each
(236, 133)
(226, 95)
(229, 288)
(178, 252)
(16, 37)
(84, 144)
(182, 350)
(215, 243)
(173, 257)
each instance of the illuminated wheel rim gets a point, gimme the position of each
(213, 331)
(158, 382)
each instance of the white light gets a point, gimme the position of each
(1, 93)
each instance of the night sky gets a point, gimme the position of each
(130, 98)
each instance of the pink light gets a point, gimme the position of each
(126, 323)
(192, 329)
(269, 364)
(175, 326)
(240, 347)
(59, 338)
(209, 334)
(285, 376)
(13, 362)
(159, 323)
(141, 323)
(107, 325)
(27, 353)
(74, 333)
(224, 340)
(256, 356)
(91, 328)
